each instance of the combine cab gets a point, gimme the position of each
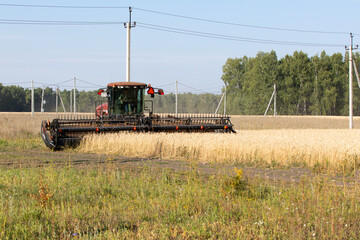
(126, 109)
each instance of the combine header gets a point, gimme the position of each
(125, 109)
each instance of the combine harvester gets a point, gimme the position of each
(125, 109)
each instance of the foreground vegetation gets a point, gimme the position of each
(110, 202)
(54, 198)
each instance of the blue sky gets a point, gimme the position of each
(96, 54)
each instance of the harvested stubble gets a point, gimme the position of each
(323, 150)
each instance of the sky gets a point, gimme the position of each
(95, 54)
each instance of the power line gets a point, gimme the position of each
(64, 82)
(60, 6)
(239, 24)
(162, 86)
(47, 22)
(228, 37)
(88, 83)
(191, 87)
(77, 86)
(175, 15)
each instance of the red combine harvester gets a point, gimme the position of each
(126, 109)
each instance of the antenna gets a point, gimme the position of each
(128, 26)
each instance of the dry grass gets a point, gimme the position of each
(320, 149)
(22, 125)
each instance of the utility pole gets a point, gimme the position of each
(351, 48)
(74, 96)
(42, 100)
(217, 108)
(225, 101)
(275, 113)
(56, 99)
(70, 102)
(62, 103)
(273, 96)
(176, 98)
(128, 26)
(32, 98)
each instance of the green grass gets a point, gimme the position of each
(110, 202)
(21, 144)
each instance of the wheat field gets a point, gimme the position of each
(323, 149)
(323, 143)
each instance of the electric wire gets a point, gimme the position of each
(229, 37)
(191, 87)
(61, 6)
(175, 15)
(80, 86)
(64, 82)
(88, 83)
(239, 24)
(162, 86)
(47, 22)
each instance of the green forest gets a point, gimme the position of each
(306, 85)
(317, 85)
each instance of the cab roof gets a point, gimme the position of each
(127, 84)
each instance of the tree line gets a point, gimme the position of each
(306, 85)
(18, 99)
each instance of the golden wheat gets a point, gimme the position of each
(330, 149)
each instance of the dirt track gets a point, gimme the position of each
(33, 158)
